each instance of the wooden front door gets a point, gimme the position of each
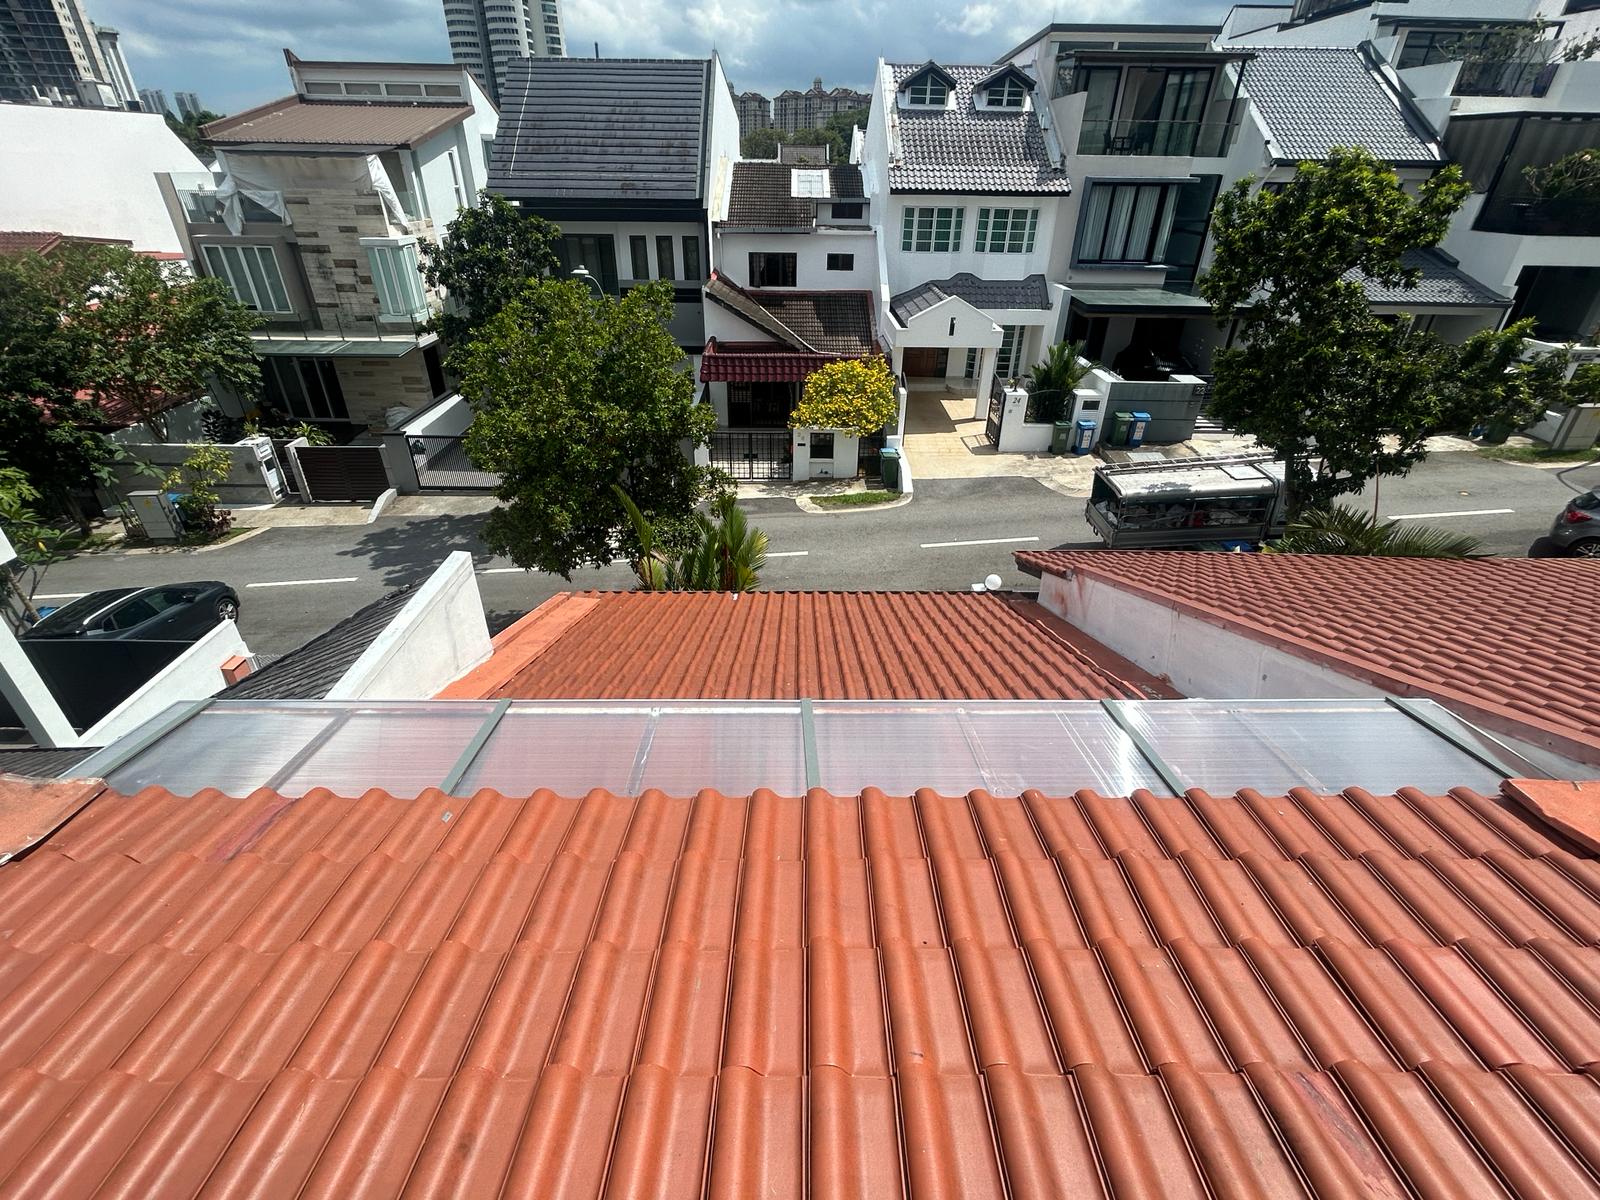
(922, 362)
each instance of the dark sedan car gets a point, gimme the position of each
(174, 612)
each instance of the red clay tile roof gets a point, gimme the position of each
(758, 362)
(1496, 639)
(19, 241)
(798, 645)
(297, 121)
(835, 996)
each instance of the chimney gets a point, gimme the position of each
(235, 669)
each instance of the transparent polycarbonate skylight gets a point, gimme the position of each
(737, 747)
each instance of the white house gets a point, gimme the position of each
(90, 173)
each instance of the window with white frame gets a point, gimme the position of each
(1008, 94)
(1127, 223)
(1007, 230)
(252, 272)
(1009, 358)
(932, 229)
(929, 90)
(397, 277)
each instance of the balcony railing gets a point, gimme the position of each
(1181, 139)
(201, 207)
(1508, 79)
(1528, 215)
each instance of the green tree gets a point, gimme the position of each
(761, 143)
(484, 260)
(1342, 530)
(835, 134)
(189, 128)
(1341, 394)
(157, 337)
(854, 394)
(42, 420)
(198, 477)
(573, 395)
(37, 543)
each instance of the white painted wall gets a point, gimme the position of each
(722, 143)
(90, 173)
(438, 636)
(193, 675)
(843, 465)
(811, 251)
(909, 268)
(445, 419)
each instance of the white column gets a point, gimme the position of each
(986, 363)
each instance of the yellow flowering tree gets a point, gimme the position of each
(854, 394)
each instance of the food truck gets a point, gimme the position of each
(1225, 500)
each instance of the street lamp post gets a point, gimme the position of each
(583, 274)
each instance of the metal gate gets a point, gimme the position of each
(343, 473)
(870, 456)
(442, 465)
(280, 451)
(753, 454)
(997, 412)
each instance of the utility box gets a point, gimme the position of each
(889, 467)
(1136, 431)
(1083, 437)
(157, 515)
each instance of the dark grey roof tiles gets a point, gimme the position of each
(1032, 292)
(1442, 284)
(41, 762)
(822, 322)
(602, 128)
(1315, 99)
(969, 149)
(760, 196)
(309, 672)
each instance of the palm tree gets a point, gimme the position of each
(1054, 379)
(725, 555)
(1342, 530)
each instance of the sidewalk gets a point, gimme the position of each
(295, 515)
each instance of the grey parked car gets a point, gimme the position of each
(174, 612)
(1577, 529)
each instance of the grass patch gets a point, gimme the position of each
(1537, 454)
(855, 499)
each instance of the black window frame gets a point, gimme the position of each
(299, 402)
(841, 262)
(1147, 255)
(766, 263)
(692, 270)
(849, 210)
(666, 259)
(639, 255)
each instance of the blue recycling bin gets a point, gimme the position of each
(1141, 422)
(1083, 437)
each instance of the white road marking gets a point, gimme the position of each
(60, 595)
(302, 582)
(787, 553)
(979, 542)
(1476, 512)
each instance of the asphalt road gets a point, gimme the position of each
(295, 583)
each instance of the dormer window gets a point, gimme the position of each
(929, 91)
(1007, 94)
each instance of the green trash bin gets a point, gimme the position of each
(1061, 438)
(1121, 428)
(889, 465)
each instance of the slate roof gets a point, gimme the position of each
(1490, 639)
(834, 995)
(760, 195)
(793, 645)
(309, 672)
(1031, 292)
(1443, 283)
(1313, 99)
(295, 120)
(40, 762)
(965, 149)
(602, 128)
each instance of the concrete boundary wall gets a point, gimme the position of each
(438, 636)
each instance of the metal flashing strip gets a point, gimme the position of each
(457, 773)
(1443, 723)
(103, 762)
(1116, 710)
(808, 736)
(304, 755)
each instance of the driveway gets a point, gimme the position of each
(944, 441)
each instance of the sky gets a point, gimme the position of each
(231, 51)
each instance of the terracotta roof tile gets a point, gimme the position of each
(794, 645)
(830, 995)
(1492, 638)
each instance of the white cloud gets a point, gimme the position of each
(974, 20)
